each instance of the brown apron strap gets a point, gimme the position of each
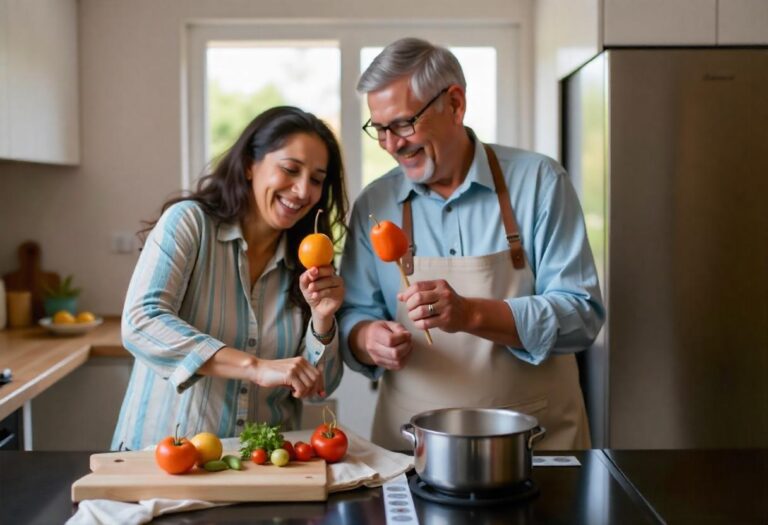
(407, 259)
(507, 216)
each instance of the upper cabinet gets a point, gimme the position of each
(742, 22)
(684, 22)
(39, 109)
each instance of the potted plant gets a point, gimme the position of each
(61, 297)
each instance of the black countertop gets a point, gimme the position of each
(36, 489)
(699, 486)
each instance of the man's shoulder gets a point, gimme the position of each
(387, 184)
(526, 158)
(521, 166)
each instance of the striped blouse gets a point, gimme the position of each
(187, 299)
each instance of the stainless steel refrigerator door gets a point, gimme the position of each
(687, 262)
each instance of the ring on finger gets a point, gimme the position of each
(431, 309)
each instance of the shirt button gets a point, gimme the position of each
(243, 390)
(239, 422)
(449, 208)
(251, 342)
(452, 251)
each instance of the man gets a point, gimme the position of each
(502, 274)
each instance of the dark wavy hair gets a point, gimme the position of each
(225, 193)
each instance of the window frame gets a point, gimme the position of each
(513, 78)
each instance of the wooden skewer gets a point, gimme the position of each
(407, 284)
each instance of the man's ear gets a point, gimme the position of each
(457, 103)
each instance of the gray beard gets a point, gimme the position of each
(429, 171)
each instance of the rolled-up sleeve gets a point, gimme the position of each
(566, 312)
(151, 328)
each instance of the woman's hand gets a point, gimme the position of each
(324, 292)
(296, 373)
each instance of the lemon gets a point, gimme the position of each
(85, 317)
(208, 447)
(63, 317)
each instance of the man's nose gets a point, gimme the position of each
(391, 142)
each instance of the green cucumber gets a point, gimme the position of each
(215, 465)
(233, 462)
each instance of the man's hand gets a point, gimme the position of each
(435, 304)
(382, 343)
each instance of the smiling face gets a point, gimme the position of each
(288, 182)
(429, 155)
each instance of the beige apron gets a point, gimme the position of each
(462, 370)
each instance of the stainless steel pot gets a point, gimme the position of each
(462, 450)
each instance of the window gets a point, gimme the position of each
(234, 71)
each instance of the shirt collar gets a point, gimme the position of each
(479, 173)
(229, 232)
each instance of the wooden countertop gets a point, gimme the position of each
(39, 359)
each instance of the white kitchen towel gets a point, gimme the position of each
(365, 464)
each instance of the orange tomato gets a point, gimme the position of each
(316, 249)
(174, 455)
(389, 241)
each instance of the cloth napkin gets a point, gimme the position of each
(365, 464)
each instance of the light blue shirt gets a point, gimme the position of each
(565, 313)
(190, 295)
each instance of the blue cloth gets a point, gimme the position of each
(566, 312)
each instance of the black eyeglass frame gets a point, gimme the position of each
(381, 131)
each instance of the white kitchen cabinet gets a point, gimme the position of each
(660, 22)
(742, 22)
(39, 109)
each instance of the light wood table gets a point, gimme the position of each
(38, 359)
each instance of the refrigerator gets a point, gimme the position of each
(668, 150)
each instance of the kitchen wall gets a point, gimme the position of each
(130, 117)
(130, 121)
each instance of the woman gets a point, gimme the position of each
(225, 324)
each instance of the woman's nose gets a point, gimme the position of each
(301, 187)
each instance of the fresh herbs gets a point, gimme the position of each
(259, 435)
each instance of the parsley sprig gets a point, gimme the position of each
(259, 435)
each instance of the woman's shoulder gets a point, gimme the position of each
(185, 211)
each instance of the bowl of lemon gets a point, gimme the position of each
(64, 322)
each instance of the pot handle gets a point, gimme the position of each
(406, 431)
(538, 434)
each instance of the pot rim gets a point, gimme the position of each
(531, 420)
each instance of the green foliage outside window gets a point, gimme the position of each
(230, 111)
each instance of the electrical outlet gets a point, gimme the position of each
(123, 242)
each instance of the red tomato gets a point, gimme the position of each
(175, 455)
(304, 451)
(259, 456)
(329, 442)
(289, 448)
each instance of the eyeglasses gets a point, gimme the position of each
(400, 128)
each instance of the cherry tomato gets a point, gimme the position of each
(388, 240)
(329, 442)
(316, 249)
(175, 455)
(304, 451)
(279, 457)
(259, 456)
(289, 448)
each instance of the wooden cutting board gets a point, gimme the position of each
(134, 476)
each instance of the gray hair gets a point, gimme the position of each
(431, 68)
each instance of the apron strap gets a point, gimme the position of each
(507, 216)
